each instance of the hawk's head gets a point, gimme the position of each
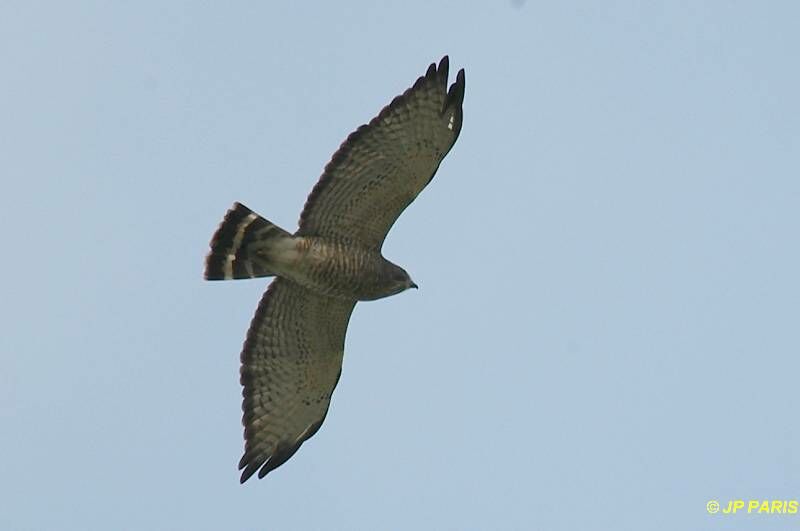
(395, 280)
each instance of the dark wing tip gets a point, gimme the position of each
(444, 70)
(247, 472)
(455, 96)
(453, 103)
(252, 463)
(431, 70)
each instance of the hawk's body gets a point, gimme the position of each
(292, 357)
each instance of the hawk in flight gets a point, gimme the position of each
(292, 357)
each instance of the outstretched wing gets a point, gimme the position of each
(291, 362)
(384, 165)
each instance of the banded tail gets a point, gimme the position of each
(240, 247)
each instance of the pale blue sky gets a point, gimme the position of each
(606, 334)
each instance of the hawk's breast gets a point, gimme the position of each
(336, 268)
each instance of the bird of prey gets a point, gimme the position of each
(292, 356)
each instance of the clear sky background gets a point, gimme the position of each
(607, 330)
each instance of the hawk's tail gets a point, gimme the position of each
(238, 247)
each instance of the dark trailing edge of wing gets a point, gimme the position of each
(434, 74)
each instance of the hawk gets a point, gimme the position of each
(292, 356)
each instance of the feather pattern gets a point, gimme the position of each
(382, 166)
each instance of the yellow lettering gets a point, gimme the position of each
(764, 507)
(727, 509)
(792, 507)
(752, 504)
(777, 507)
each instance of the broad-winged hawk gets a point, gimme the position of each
(292, 357)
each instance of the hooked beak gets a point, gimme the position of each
(413, 285)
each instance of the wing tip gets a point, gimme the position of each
(431, 72)
(251, 463)
(455, 95)
(248, 471)
(444, 70)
